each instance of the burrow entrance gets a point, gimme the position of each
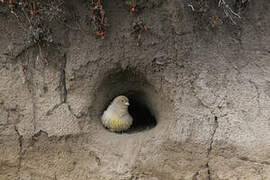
(143, 118)
(144, 100)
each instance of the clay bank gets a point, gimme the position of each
(196, 73)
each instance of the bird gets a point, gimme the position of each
(116, 117)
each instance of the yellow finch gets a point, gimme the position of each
(116, 117)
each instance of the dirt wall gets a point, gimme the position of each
(206, 85)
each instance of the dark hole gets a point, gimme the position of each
(132, 85)
(139, 110)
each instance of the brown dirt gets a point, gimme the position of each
(206, 84)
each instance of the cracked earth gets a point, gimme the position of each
(208, 88)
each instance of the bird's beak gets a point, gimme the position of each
(127, 103)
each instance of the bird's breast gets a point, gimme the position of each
(115, 123)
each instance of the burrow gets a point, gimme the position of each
(148, 106)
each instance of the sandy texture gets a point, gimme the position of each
(208, 88)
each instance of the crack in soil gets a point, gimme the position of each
(211, 146)
(20, 150)
(49, 112)
(254, 161)
(63, 88)
(195, 176)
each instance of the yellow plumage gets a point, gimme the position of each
(115, 124)
(116, 117)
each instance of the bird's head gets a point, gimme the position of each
(122, 101)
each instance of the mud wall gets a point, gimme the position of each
(208, 88)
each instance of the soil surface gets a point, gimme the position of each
(202, 82)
